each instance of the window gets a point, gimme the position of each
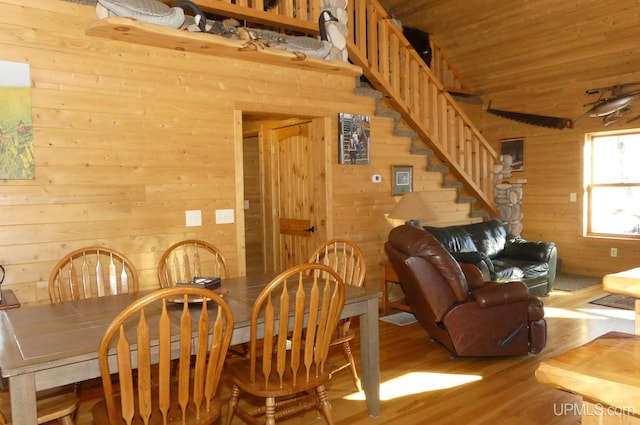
(612, 184)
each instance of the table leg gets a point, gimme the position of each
(384, 288)
(22, 390)
(636, 327)
(370, 356)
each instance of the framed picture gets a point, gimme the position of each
(16, 134)
(401, 179)
(515, 148)
(354, 139)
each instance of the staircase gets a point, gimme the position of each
(397, 71)
(400, 129)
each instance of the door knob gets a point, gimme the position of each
(310, 229)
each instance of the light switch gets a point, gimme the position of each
(193, 218)
(224, 216)
(573, 197)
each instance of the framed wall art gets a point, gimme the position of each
(401, 179)
(354, 139)
(515, 148)
(16, 137)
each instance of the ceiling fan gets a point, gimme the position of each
(614, 102)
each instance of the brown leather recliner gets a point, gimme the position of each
(453, 303)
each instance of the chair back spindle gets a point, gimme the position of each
(190, 258)
(347, 259)
(296, 313)
(170, 317)
(82, 274)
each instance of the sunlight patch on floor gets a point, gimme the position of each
(588, 313)
(616, 313)
(563, 313)
(559, 293)
(417, 382)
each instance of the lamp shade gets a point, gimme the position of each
(412, 208)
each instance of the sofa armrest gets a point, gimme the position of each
(528, 250)
(493, 294)
(483, 264)
(472, 257)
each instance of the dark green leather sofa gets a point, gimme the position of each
(501, 257)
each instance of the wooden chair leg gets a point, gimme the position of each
(67, 420)
(346, 348)
(270, 411)
(233, 402)
(325, 406)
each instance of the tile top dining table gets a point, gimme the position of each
(49, 345)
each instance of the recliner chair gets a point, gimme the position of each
(452, 302)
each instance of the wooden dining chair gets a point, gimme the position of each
(53, 405)
(91, 272)
(346, 258)
(283, 368)
(146, 336)
(190, 258)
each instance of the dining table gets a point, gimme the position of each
(50, 345)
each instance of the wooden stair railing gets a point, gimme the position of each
(444, 70)
(394, 68)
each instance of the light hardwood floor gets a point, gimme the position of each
(432, 388)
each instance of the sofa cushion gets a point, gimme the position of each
(489, 237)
(453, 238)
(506, 269)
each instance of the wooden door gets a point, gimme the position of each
(293, 195)
(287, 167)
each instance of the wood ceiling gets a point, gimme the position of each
(537, 50)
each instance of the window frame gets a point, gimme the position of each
(589, 185)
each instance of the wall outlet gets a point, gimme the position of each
(193, 218)
(573, 197)
(224, 216)
(614, 252)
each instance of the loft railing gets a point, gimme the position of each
(394, 68)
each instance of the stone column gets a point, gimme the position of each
(508, 195)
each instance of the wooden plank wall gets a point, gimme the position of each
(128, 137)
(253, 214)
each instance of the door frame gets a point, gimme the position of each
(321, 141)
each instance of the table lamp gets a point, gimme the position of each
(412, 208)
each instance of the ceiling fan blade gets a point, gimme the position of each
(610, 119)
(615, 116)
(613, 87)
